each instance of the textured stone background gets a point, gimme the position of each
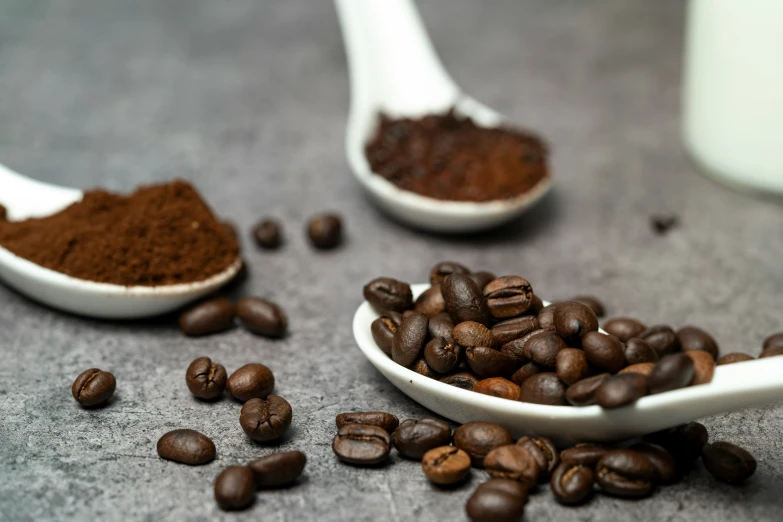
(248, 99)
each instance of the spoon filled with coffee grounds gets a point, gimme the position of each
(107, 255)
(427, 154)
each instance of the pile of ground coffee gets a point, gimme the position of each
(159, 235)
(451, 158)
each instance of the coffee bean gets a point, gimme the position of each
(591, 302)
(639, 351)
(266, 420)
(527, 371)
(603, 351)
(703, 366)
(685, 442)
(621, 390)
(493, 503)
(441, 326)
(582, 393)
(3, 213)
(268, 234)
(384, 420)
(542, 349)
(665, 466)
(440, 271)
(584, 454)
(728, 462)
(478, 438)
(361, 445)
(643, 368)
(544, 451)
(515, 328)
(206, 379)
(421, 367)
(464, 300)
(187, 447)
(662, 339)
(536, 305)
(486, 362)
(571, 365)
(672, 372)
(446, 465)
(498, 387)
(464, 380)
(572, 485)
(771, 352)
(278, 469)
(471, 333)
(209, 317)
(409, 339)
(625, 473)
(251, 381)
(773, 341)
(573, 320)
(325, 231)
(624, 328)
(430, 302)
(543, 388)
(516, 348)
(693, 338)
(262, 317)
(508, 296)
(385, 294)
(235, 488)
(482, 279)
(415, 437)
(546, 316)
(442, 356)
(735, 357)
(384, 328)
(93, 387)
(512, 462)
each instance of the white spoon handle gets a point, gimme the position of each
(24, 197)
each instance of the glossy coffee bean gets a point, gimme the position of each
(525, 372)
(685, 441)
(479, 438)
(512, 462)
(471, 333)
(464, 380)
(361, 445)
(603, 351)
(734, 357)
(584, 454)
(206, 379)
(728, 462)
(486, 362)
(441, 326)
(773, 341)
(235, 488)
(571, 365)
(621, 390)
(268, 234)
(430, 302)
(544, 452)
(626, 473)
(703, 366)
(421, 367)
(493, 503)
(415, 437)
(251, 381)
(591, 302)
(543, 348)
(384, 420)
(670, 373)
(692, 338)
(666, 467)
(384, 328)
(409, 339)
(441, 270)
(262, 317)
(508, 296)
(771, 352)
(639, 351)
(516, 348)
(536, 305)
(572, 485)
(446, 465)
(187, 447)
(624, 328)
(93, 387)
(546, 316)
(482, 278)
(442, 356)
(278, 469)
(573, 320)
(582, 393)
(515, 328)
(643, 368)
(387, 294)
(498, 387)
(465, 300)
(325, 231)
(209, 317)
(265, 420)
(662, 339)
(543, 388)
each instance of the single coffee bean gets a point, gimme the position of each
(442, 356)
(209, 317)
(498, 387)
(735, 357)
(251, 381)
(187, 447)
(624, 328)
(643, 368)
(508, 486)
(603, 351)
(662, 339)
(663, 461)
(408, 313)
(543, 388)
(415, 437)
(728, 462)
(512, 462)
(441, 326)
(584, 454)
(515, 328)
(703, 366)
(773, 341)
(692, 338)
(384, 420)
(464, 300)
(582, 393)
(527, 371)
(491, 503)
(544, 451)
(266, 420)
(571, 365)
(385, 294)
(278, 469)
(206, 379)
(235, 488)
(486, 362)
(482, 278)
(422, 368)
(543, 348)
(536, 305)
(639, 351)
(268, 234)
(508, 296)
(446, 465)
(771, 352)
(626, 473)
(546, 316)
(516, 348)
(572, 484)
(464, 380)
(440, 271)
(471, 333)
(325, 231)
(262, 317)
(384, 328)
(430, 302)
(573, 320)
(409, 339)
(591, 302)
(672, 372)
(621, 390)
(685, 441)
(478, 438)
(93, 387)
(361, 445)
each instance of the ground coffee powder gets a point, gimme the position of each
(161, 234)
(449, 157)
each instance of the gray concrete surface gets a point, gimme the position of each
(248, 99)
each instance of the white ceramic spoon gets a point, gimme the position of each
(25, 198)
(394, 69)
(734, 386)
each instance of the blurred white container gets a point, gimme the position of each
(733, 90)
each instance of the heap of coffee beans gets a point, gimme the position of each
(260, 316)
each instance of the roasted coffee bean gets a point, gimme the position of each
(516, 348)
(584, 454)
(515, 328)
(93, 387)
(543, 388)
(384, 328)
(492, 502)
(430, 302)
(546, 316)
(409, 339)
(512, 462)
(361, 445)
(773, 341)
(262, 316)
(643, 368)
(479, 438)
(621, 390)
(465, 300)
(325, 231)
(693, 338)
(4, 214)
(384, 420)
(544, 451)
(639, 351)
(482, 278)
(626, 473)
(624, 328)
(527, 371)
(536, 305)
(571, 365)
(464, 380)
(187, 447)
(486, 362)
(685, 441)
(591, 302)
(235, 488)
(278, 469)
(735, 357)
(471, 333)
(206, 379)
(728, 462)
(441, 326)
(572, 484)
(415, 437)
(703, 366)
(542, 348)
(385, 294)
(662, 339)
(440, 271)
(508, 296)
(672, 372)
(208, 317)
(573, 320)
(264, 420)
(422, 368)
(442, 356)
(268, 234)
(771, 352)
(498, 387)
(251, 381)
(603, 351)
(663, 461)
(582, 393)
(446, 465)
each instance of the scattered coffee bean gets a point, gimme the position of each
(187, 447)
(624, 328)
(206, 379)
(443, 269)
(735, 357)
(771, 352)
(441, 326)
(464, 380)
(626, 473)
(384, 328)
(265, 420)
(703, 366)
(496, 501)
(482, 278)
(251, 381)
(430, 302)
(486, 362)
(543, 388)
(582, 393)
(546, 317)
(471, 333)
(93, 387)
(512, 462)
(479, 438)
(442, 356)
(446, 465)
(591, 302)
(662, 339)
(361, 444)
(527, 371)
(693, 338)
(235, 488)
(685, 442)
(498, 387)
(773, 341)
(384, 420)
(262, 317)
(465, 300)
(543, 348)
(209, 317)
(508, 296)
(387, 294)
(639, 351)
(663, 461)
(268, 234)
(643, 368)
(515, 328)
(603, 351)
(662, 224)
(573, 320)
(544, 451)
(621, 390)
(572, 484)
(584, 454)
(571, 365)
(278, 469)
(672, 372)
(421, 367)
(415, 437)
(728, 462)
(325, 231)
(409, 339)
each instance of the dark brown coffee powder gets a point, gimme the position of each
(159, 235)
